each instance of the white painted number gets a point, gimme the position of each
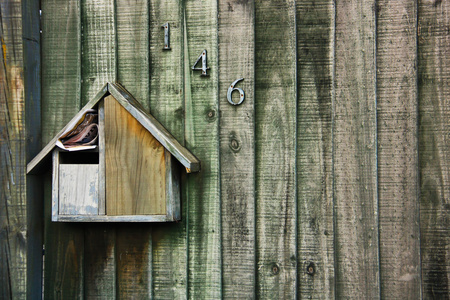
(231, 89)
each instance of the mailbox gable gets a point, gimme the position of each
(131, 174)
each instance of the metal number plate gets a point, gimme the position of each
(231, 89)
(204, 67)
(166, 36)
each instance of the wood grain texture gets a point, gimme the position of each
(315, 50)
(78, 189)
(355, 152)
(134, 261)
(434, 147)
(100, 262)
(134, 165)
(397, 150)
(276, 190)
(237, 148)
(61, 65)
(61, 50)
(34, 194)
(132, 34)
(202, 136)
(98, 65)
(167, 105)
(13, 232)
(98, 46)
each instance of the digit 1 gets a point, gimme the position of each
(166, 36)
(204, 67)
(231, 89)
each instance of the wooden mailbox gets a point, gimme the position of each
(130, 175)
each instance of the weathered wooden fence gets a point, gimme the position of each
(331, 179)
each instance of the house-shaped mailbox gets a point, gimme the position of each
(130, 175)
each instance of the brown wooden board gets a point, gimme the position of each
(434, 146)
(397, 150)
(355, 149)
(169, 269)
(202, 137)
(315, 51)
(237, 148)
(134, 165)
(13, 234)
(275, 132)
(61, 38)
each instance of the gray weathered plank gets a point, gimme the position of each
(34, 193)
(237, 148)
(78, 189)
(434, 147)
(355, 164)
(315, 50)
(13, 236)
(276, 190)
(397, 150)
(63, 269)
(167, 105)
(202, 136)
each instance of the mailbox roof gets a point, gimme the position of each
(122, 96)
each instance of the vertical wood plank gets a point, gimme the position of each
(434, 147)
(34, 193)
(98, 45)
(134, 261)
(355, 150)
(134, 165)
(315, 50)
(397, 149)
(202, 136)
(237, 148)
(167, 105)
(100, 262)
(134, 247)
(132, 26)
(276, 190)
(64, 244)
(98, 65)
(13, 236)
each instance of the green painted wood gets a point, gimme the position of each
(134, 275)
(132, 27)
(34, 192)
(397, 150)
(201, 137)
(355, 152)
(167, 104)
(64, 245)
(100, 262)
(434, 146)
(98, 46)
(98, 65)
(315, 50)
(237, 148)
(13, 234)
(275, 132)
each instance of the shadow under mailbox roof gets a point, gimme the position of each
(183, 155)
